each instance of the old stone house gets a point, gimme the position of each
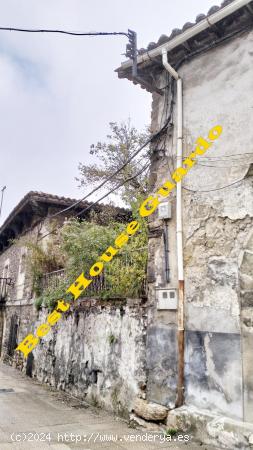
(212, 61)
(91, 346)
(112, 353)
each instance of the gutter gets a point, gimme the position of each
(204, 24)
(179, 232)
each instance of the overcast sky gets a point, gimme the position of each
(58, 93)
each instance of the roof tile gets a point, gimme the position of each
(164, 38)
(200, 17)
(213, 10)
(187, 25)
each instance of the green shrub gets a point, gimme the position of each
(38, 303)
(77, 247)
(171, 432)
(53, 293)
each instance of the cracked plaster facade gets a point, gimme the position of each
(218, 237)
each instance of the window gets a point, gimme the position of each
(12, 343)
(22, 263)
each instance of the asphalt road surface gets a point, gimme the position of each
(34, 416)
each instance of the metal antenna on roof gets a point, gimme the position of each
(2, 196)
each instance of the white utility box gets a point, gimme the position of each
(166, 298)
(164, 210)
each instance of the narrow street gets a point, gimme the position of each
(34, 416)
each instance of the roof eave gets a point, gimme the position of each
(183, 37)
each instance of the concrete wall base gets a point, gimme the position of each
(211, 428)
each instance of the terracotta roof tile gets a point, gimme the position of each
(233, 24)
(164, 38)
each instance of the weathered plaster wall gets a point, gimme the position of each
(15, 306)
(96, 352)
(15, 257)
(10, 258)
(218, 87)
(162, 364)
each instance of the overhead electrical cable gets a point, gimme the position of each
(151, 139)
(222, 157)
(231, 156)
(113, 189)
(134, 154)
(97, 201)
(168, 114)
(71, 33)
(224, 167)
(216, 189)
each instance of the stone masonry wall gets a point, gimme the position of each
(96, 352)
(217, 229)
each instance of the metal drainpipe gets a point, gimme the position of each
(179, 226)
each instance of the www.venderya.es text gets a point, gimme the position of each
(142, 437)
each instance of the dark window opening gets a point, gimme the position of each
(12, 344)
(29, 365)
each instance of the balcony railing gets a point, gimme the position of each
(99, 284)
(53, 279)
(4, 283)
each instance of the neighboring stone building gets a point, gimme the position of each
(89, 351)
(214, 59)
